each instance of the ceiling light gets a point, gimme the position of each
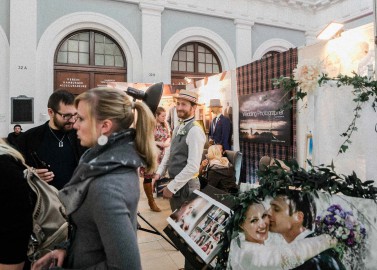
(330, 31)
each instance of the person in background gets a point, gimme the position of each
(17, 202)
(162, 138)
(55, 142)
(217, 171)
(267, 161)
(12, 137)
(102, 196)
(220, 129)
(172, 118)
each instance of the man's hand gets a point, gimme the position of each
(166, 193)
(45, 175)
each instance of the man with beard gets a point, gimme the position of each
(12, 137)
(292, 215)
(53, 148)
(183, 158)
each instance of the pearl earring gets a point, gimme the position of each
(102, 140)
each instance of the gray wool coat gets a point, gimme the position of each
(102, 199)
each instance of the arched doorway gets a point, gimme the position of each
(193, 61)
(88, 59)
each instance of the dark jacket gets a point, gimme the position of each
(62, 161)
(12, 139)
(222, 133)
(30, 140)
(17, 202)
(327, 259)
(222, 177)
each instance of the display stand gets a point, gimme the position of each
(181, 244)
(154, 231)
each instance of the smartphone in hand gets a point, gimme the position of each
(40, 164)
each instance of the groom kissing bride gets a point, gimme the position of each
(292, 215)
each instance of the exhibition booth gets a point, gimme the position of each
(285, 107)
(310, 130)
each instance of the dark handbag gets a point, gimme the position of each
(160, 184)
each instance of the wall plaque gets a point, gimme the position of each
(22, 110)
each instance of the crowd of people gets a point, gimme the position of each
(93, 149)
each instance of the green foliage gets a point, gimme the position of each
(274, 180)
(365, 90)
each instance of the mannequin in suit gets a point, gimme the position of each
(220, 129)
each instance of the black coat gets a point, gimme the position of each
(30, 140)
(326, 260)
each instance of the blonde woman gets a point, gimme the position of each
(17, 202)
(102, 196)
(218, 171)
(162, 138)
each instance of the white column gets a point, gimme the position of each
(151, 42)
(23, 44)
(244, 52)
(375, 38)
(4, 82)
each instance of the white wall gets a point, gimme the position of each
(327, 112)
(22, 53)
(4, 82)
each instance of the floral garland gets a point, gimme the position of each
(309, 75)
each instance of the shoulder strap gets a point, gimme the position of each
(30, 176)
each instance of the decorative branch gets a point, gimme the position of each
(364, 90)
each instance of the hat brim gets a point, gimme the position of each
(188, 99)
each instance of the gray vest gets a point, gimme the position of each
(179, 151)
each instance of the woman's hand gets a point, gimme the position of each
(202, 166)
(154, 179)
(204, 162)
(51, 259)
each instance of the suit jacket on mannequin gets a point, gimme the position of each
(220, 131)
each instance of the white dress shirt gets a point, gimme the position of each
(195, 140)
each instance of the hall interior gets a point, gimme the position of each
(155, 252)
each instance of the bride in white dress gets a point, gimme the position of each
(249, 250)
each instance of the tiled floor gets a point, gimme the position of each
(155, 252)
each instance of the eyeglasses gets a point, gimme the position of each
(68, 116)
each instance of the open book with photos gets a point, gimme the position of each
(199, 224)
